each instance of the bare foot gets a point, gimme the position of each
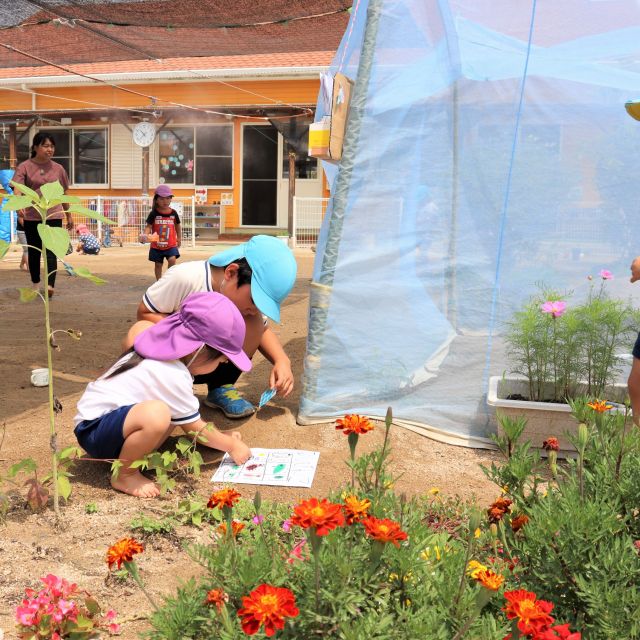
(51, 291)
(135, 484)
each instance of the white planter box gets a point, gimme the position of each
(544, 419)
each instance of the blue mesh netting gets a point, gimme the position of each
(488, 149)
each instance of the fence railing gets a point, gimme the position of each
(129, 213)
(307, 218)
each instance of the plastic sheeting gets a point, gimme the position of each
(491, 151)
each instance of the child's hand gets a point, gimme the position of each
(153, 237)
(239, 451)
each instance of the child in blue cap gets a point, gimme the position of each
(256, 276)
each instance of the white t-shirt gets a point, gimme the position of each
(169, 381)
(181, 280)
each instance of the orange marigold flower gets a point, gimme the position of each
(600, 406)
(474, 568)
(223, 498)
(236, 528)
(217, 597)
(498, 509)
(123, 551)
(268, 606)
(354, 509)
(551, 444)
(518, 522)
(489, 579)
(321, 515)
(384, 530)
(532, 614)
(353, 423)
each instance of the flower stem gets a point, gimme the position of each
(132, 568)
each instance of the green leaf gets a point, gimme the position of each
(55, 239)
(13, 203)
(116, 465)
(52, 190)
(68, 452)
(27, 294)
(4, 247)
(83, 272)
(27, 465)
(64, 487)
(25, 190)
(89, 213)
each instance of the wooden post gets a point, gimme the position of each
(145, 171)
(292, 191)
(13, 147)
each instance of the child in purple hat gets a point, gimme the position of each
(131, 409)
(163, 230)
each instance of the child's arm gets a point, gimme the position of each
(215, 439)
(179, 233)
(147, 235)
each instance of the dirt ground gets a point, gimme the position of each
(33, 545)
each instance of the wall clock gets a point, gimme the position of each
(144, 133)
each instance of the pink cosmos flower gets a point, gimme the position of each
(606, 275)
(555, 307)
(258, 519)
(286, 525)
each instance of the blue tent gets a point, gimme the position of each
(487, 150)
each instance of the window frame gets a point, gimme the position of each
(72, 144)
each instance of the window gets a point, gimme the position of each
(23, 150)
(83, 154)
(200, 155)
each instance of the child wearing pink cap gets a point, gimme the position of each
(87, 243)
(131, 409)
(163, 230)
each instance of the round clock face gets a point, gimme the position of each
(144, 133)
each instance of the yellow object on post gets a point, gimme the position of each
(319, 133)
(633, 109)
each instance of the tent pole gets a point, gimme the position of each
(321, 290)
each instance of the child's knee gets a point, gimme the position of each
(156, 414)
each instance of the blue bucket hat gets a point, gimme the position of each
(274, 271)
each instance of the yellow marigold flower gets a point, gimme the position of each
(477, 533)
(474, 568)
(600, 406)
(489, 579)
(434, 491)
(355, 509)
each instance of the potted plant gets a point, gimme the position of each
(560, 351)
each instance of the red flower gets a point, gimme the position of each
(123, 551)
(384, 530)
(600, 406)
(353, 423)
(217, 597)
(498, 509)
(532, 614)
(551, 444)
(518, 522)
(323, 516)
(268, 606)
(223, 498)
(354, 509)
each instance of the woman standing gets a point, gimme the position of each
(33, 173)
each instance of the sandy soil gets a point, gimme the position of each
(32, 545)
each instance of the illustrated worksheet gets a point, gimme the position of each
(278, 467)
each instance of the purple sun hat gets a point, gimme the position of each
(204, 318)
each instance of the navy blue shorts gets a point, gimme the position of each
(102, 437)
(158, 255)
(636, 348)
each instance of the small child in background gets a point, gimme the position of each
(163, 223)
(87, 243)
(132, 409)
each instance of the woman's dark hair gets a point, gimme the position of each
(244, 271)
(136, 359)
(40, 138)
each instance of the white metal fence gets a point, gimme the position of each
(129, 213)
(307, 218)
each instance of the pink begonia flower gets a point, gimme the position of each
(606, 275)
(286, 525)
(258, 519)
(555, 307)
(114, 629)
